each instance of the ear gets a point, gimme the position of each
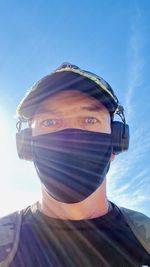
(112, 157)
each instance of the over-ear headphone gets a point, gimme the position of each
(120, 139)
(23, 143)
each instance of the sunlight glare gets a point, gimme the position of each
(4, 139)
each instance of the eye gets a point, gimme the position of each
(91, 120)
(48, 122)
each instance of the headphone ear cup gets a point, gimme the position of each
(23, 142)
(120, 137)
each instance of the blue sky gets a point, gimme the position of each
(110, 38)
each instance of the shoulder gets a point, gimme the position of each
(8, 224)
(139, 224)
(138, 218)
(9, 235)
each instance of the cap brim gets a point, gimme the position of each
(59, 81)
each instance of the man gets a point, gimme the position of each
(72, 140)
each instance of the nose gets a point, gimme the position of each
(71, 123)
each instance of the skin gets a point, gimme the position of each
(73, 109)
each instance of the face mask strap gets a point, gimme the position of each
(19, 125)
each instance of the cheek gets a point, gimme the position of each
(35, 128)
(107, 129)
(106, 124)
(35, 132)
(101, 128)
(112, 157)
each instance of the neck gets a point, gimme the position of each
(94, 206)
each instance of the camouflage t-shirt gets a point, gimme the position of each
(100, 242)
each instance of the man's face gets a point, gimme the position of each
(71, 109)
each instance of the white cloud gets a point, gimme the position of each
(135, 62)
(129, 175)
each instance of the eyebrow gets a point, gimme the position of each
(91, 107)
(47, 110)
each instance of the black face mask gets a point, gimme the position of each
(72, 163)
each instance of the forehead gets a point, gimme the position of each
(67, 100)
